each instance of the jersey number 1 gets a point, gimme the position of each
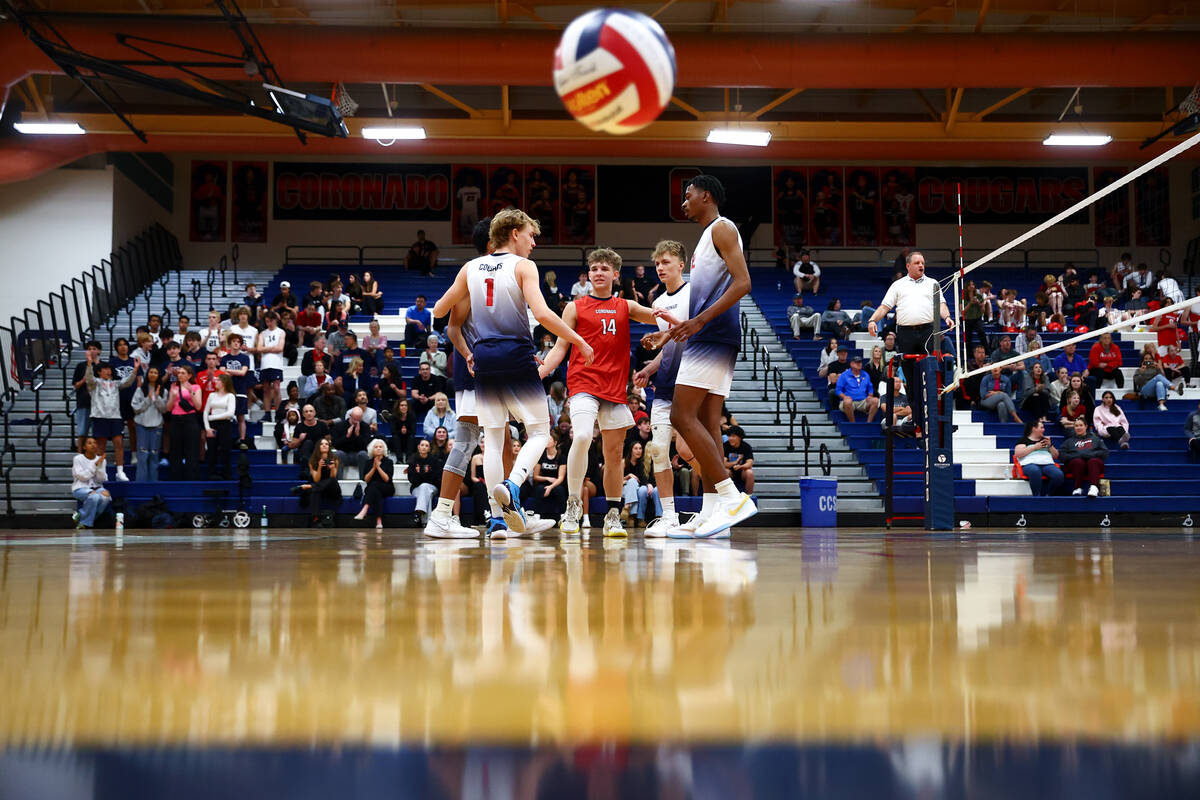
(491, 284)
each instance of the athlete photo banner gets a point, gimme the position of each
(505, 187)
(249, 201)
(1152, 209)
(790, 211)
(209, 194)
(1111, 224)
(343, 190)
(862, 206)
(578, 203)
(467, 186)
(826, 204)
(897, 198)
(541, 199)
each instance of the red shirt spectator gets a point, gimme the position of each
(209, 379)
(1103, 358)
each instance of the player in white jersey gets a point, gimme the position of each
(668, 258)
(503, 288)
(442, 522)
(719, 279)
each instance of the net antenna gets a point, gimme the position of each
(342, 101)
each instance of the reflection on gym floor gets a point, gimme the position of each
(227, 639)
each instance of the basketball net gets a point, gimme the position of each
(342, 100)
(1191, 103)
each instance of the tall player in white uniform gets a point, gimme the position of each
(668, 258)
(503, 288)
(710, 337)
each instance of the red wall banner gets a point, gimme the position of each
(578, 195)
(206, 212)
(826, 204)
(249, 201)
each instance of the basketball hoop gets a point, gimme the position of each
(342, 100)
(1191, 103)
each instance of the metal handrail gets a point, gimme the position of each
(806, 437)
(754, 355)
(768, 371)
(825, 459)
(793, 407)
(745, 326)
(43, 439)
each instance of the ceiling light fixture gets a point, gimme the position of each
(383, 134)
(739, 136)
(49, 128)
(1077, 140)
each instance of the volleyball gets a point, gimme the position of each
(614, 70)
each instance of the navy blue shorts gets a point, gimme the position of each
(464, 381)
(241, 405)
(508, 361)
(103, 428)
(268, 375)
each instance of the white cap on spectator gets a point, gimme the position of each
(285, 285)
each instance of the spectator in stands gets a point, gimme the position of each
(1104, 362)
(1040, 311)
(422, 257)
(285, 298)
(1191, 429)
(149, 404)
(1150, 382)
(1137, 303)
(1036, 453)
(1012, 311)
(219, 411)
(184, 407)
(322, 484)
(310, 431)
(372, 295)
(404, 425)
(876, 367)
(354, 291)
(106, 408)
(440, 444)
(1110, 421)
(370, 416)
(556, 398)
(123, 366)
(335, 318)
(309, 322)
(237, 365)
(83, 398)
(807, 274)
(973, 316)
(835, 322)
(316, 354)
(433, 356)
(1086, 395)
(168, 355)
(417, 322)
(88, 473)
(1072, 361)
(1168, 289)
(310, 386)
(900, 410)
(330, 404)
(988, 299)
(287, 431)
(1083, 454)
(377, 482)
(350, 438)
(802, 316)
(440, 416)
(390, 387)
(1142, 279)
(1109, 314)
(253, 301)
(1122, 270)
(348, 352)
(549, 493)
(1037, 399)
(638, 491)
(424, 478)
(1174, 368)
(855, 391)
(997, 395)
(833, 371)
(193, 352)
(550, 291)
(829, 354)
(582, 287)
(423, 388)
(375, 343)
(1015, 371)
(184, 325)
(1055, 293)
(1073, 408)
(739, 459)
(1028, 341)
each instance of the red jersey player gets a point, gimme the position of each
(596, 392)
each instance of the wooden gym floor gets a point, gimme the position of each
(226, 641)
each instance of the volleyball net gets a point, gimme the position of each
(954, 284)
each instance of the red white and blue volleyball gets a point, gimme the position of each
(614, 70)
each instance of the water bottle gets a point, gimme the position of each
(120, 522)
(262, 521)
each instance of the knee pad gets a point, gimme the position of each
(465, 442)
(659, 450)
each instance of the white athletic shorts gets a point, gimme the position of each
(464, 403)
(708, 366)
(526, 404)
(610, 415)
(660, 412)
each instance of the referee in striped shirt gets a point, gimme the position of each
(912, 297)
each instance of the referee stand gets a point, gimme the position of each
(936, 440)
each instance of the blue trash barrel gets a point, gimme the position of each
(818, 502)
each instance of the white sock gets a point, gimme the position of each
(445, 507)
(493, 462)
(708, 504)
(668, 506)
(727, 491)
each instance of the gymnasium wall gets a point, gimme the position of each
(53, 227)
(133, 210)
(634, 237)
